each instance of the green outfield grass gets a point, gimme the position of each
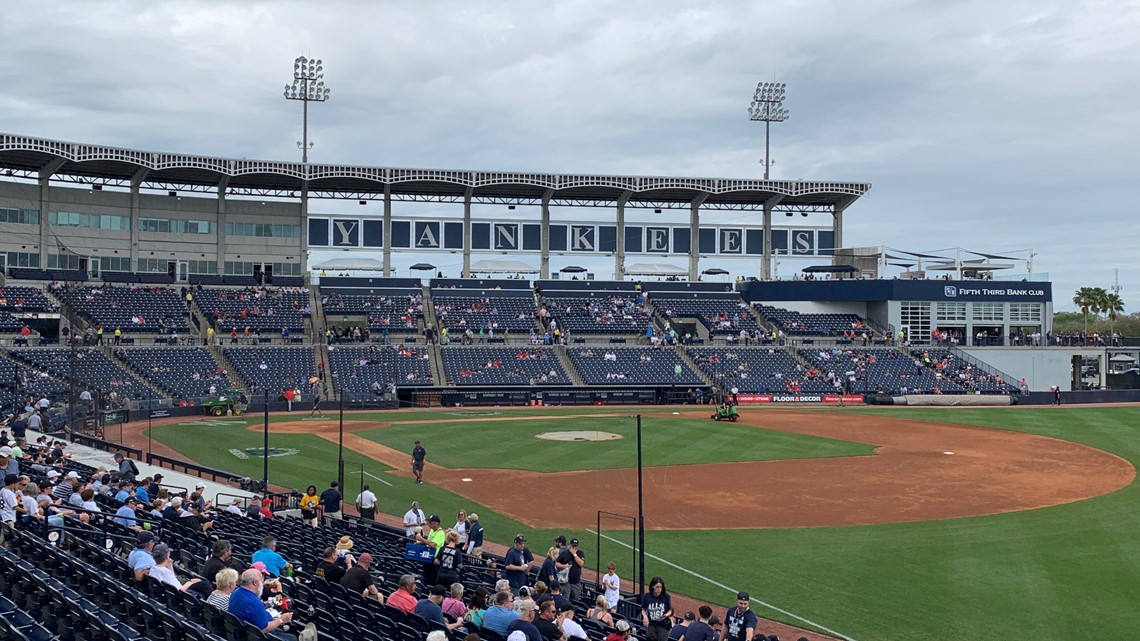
(666, 440)
(1066, 572)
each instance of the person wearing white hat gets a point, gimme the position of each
(8, 464)
(66, 487)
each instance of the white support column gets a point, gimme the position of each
(220, 254)
(467, 233)
(544, 244)
(837, 222)
(387, 230)
(619, 254)
(304, 227)
(766, 254)
(45, 203)
(695, 237)
(136, 207)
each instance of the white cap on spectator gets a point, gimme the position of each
(53, 474)
(5, 451)
(73, 474)
(200, 486)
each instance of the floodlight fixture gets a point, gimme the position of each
(768, 107)
(308, 86)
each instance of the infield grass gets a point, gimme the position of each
(1065, 572)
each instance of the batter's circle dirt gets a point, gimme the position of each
(908, 478)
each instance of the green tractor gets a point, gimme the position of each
(725, 413)
(232, 402)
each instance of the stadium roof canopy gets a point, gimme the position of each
(33, 158)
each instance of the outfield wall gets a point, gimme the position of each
(1041, 367)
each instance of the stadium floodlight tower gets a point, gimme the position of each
(308, 86)
(768, 107)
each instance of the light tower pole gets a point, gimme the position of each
(308, 86)
(768, 107)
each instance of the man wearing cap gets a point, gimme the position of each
(524, 625)
(9, 502)
(330, 500)
(474, 536)
(430, 608)
(358, 579)
(419, 456)
(200, 490)
(547, 621)
(66, 487)
(435, 538)
(366, 504)
(246, 604)
(701, 629)
(404, 598)
(555, 593)
(572, 559)
(678, 631)
(274, 562)
(140, 559)
(8, 464)
(621, 631)
(414, 518)
(127, 469)
(516, 563)
(125, 515)
(741, 620)
(571, 628)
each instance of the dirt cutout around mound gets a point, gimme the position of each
(921, 471)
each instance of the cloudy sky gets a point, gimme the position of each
(995, 126)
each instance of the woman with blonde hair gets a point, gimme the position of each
(600, 613)
(224, 584)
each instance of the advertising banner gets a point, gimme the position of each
(799, 398)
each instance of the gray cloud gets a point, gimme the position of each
(995, 126)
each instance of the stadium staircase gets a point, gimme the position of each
(571, 371)
(795, 353)
(321, 355)
(972, 360)
(317, 320)
(436, 361)
(429, 310)
(227, 367)
(692, 364)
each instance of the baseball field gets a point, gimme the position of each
(894, 524)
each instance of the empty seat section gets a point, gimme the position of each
(603, 365)
(598, 313)
(186, 372)
(130, 308)
(264, 309)
(274, 368)
(355, 369)
(759, 369)
(93, 369)
(795, 323)
(721, 313)
(481, 365)
(492, 311)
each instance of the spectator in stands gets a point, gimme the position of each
(600, 613)
(245, 604)
(574, 559)
(449, 560)
(404, 598)
(127, 469)
(163, 569)
(430, 609)
(126, 515)
(474, 614)
(741, 621)
(516, 563)
(332, 565)
(224, 583)
(524, 624)
(453, 605)
(679, 629)
(549, 571)
(330, 500)
(656, 610)
(140, 560)
(435, 538)
(275, 564)
(474, 537)
(500, 616)
(414, 520)
(547, 621)
(701, 629)
(309, 504)
(359, 580)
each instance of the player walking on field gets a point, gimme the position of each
(419, 456)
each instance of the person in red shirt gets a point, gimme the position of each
(404, 597)
(290, 396)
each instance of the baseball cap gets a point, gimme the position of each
(714, 620)
(53, 474)
(434, 518)
(364, 559)
(415, 503)
(689, 616)
(573, 541)
(158, 477)
(145, 537)
(438, 590)
(161, 549)
(566, 607)
(73, 474)
(560, 539)
(334, 484)
(520, 539)
(11, 443)
(526, 605)
(260, 566)
(742, 596)
(622, 625)
(200, 486)
(132, 499)
(5, 451)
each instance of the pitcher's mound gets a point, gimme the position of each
(582, 435)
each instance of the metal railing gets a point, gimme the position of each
(1007, 378)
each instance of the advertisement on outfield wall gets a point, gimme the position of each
(799, 398)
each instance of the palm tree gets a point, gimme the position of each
(1086, 299)
(1112, 306)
